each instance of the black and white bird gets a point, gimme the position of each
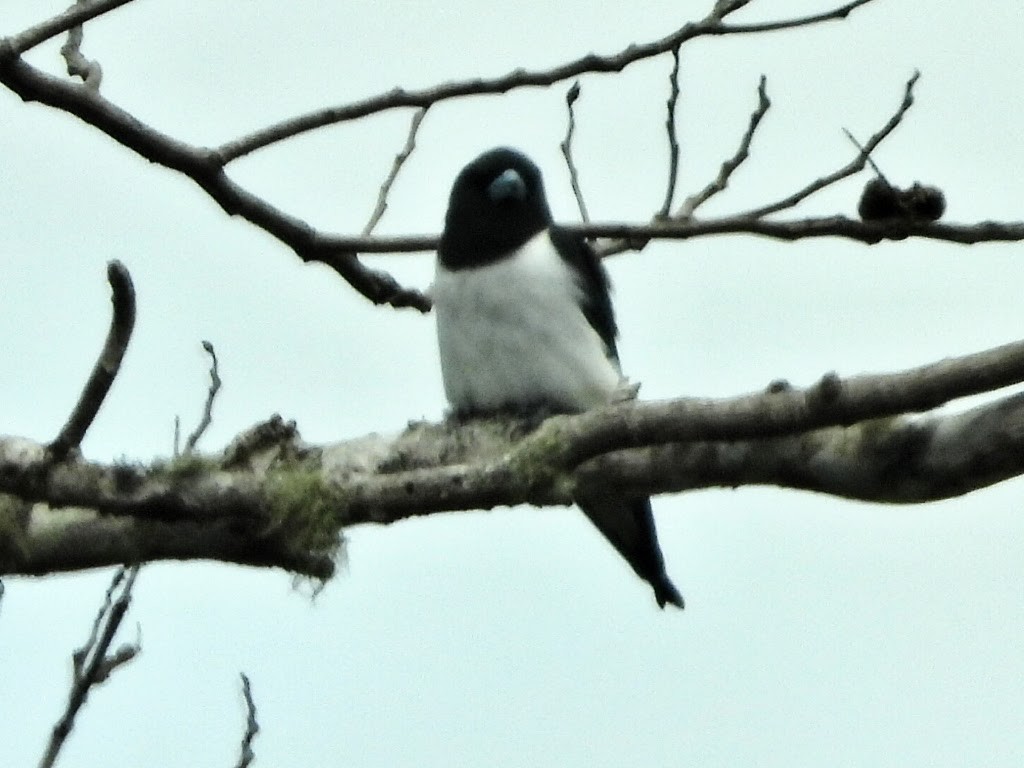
(525, 321)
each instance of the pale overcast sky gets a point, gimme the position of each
(817, 632)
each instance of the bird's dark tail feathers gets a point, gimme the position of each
(628, 524)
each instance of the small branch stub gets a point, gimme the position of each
(108, 364)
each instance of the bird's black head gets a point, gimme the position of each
(497, 204)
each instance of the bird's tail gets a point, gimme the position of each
(628, 524)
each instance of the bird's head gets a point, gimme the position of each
(497, 204)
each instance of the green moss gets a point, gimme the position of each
(306, 511)
(187, 467)
(540, 459)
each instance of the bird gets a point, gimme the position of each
(525, 323)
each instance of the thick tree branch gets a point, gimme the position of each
(901, 460)
(270, 500)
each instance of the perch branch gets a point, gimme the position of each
(108, 364)
(232, 509)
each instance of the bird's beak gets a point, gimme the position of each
(508, 186)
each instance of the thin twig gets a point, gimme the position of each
(107, 365)
(92, 665)
(867, 155)
(75, 16)
(519, 78)
(566, 146)
(694, 201)
(854, 166)
(396, 167)
(724, 7)
(673, 139)
(252, 727)
(204, 422)
(78, 65)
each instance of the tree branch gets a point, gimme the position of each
(854, 166)
(77, 64)
(211, 395)
(92, 664)
(252, 727)
(566, 146)
(396, 168)
(720, 182)
(75, 16)
(271, 500)
(122, 322)
(673, 140)
(520, 78)
(206, 169)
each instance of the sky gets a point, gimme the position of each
(817, 631)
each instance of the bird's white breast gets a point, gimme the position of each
(512, 334)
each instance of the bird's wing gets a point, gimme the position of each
(595, 297)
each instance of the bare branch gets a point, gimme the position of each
(673, 140)
(869, 232)
(205, 168)
(252, 727)
(724, 7)
(92, 664)
(207, 418)
(694, 201)
(519, 78)
(108, 364)
(854, 166)
(805, 21)
(75, 16)
(78, 65)
(396, 167)
(566, 146)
